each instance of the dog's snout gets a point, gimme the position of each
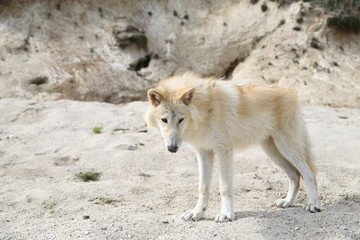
(172, 148)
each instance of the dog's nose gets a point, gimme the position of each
(172, 148)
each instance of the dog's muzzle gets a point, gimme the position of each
(172, 149)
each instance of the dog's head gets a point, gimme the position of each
(169, 112)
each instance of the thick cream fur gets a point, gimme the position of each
(221, 116)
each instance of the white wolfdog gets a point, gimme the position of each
(216, 117)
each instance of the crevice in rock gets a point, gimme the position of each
(142, 62)
(39, 80)
(230, 69)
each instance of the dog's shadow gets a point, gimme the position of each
(342, 214)
(256, 214)
(342, 204)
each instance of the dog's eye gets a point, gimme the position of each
(164, 120)
(181, 119)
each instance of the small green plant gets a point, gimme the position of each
(54, 89)
(97, 129)
(264, 7)
(300, 20)
(297, 28)
(246, 190)
(13, 204)
(38, 88)
(269, 188)
(256, 198)
(256, 40)
(346, 197)
(256, 176)
(88, 176)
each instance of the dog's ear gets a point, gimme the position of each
(187, 96)
(154, 96)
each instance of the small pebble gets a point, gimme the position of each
(85, 217)
(165, 222)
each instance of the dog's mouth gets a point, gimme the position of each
(172, 148)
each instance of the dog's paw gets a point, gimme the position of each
(225, 217)
(313, 208)
(192, 215)
(283, 203)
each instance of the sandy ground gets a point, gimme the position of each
(143, 189)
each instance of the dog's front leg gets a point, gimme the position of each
(205, 160)
(225, 159)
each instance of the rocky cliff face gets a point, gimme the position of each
(114, 51)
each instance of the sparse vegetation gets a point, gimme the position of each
(256, 40)
(347, 18)
(334, 5)
(349, 23)
(97, 129)
(88, 176)
(297, 28)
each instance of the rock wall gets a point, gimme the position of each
(113, 51)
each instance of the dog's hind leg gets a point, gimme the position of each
(293, 174)
(205, 162)
(295, 150)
